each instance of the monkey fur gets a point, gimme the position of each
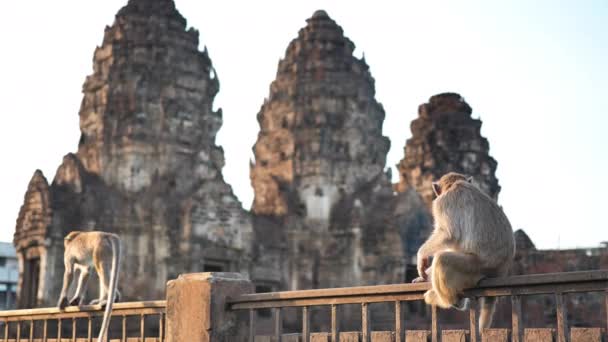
(472, 239)
(86, 250)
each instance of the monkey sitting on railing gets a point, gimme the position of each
(472, 239)
(84, 250)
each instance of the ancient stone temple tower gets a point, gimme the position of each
(319, 164)
(446, 138)
(147, 166)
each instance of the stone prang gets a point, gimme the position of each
(319, 166)
(147, 165)
(320, 128)
(445, 138)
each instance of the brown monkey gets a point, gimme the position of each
(84, 250)
(472, 239)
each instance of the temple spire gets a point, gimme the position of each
(165, 8)
(446, 138)
(321, 127)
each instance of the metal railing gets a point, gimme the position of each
(48, 324)
(514, 287)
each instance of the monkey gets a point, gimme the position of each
(84, 250)
(472, 239)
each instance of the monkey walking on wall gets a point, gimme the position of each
(472, 239)
(84, 250)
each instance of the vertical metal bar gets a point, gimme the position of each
(398, 328)
(435, 329)
(18, 331)
(562, 318)
(124, 328)
(31, 331)
(142, 327)
(6, 329)
(334, 323)
(161, 327)
(517, 331)
(278, 326)
(90, 329)
(59, 330)
(474, 321)
(305, 324)
(364, 322)
(251, 325)
(73, 329)
(44, 330)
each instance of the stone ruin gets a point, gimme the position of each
(318, 174)
(445, 138)
(147, 166)
(325, 213)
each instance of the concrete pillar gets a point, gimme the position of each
(197, 312)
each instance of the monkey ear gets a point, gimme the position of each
(436, 188)
(470, 179)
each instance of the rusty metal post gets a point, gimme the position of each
(474, 331)
(562, 318)
(197, 310)
(517, 330)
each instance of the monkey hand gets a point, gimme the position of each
(419, 280)
(423, 265)
(63, 302)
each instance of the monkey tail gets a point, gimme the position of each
(486, 311)
(115, 241)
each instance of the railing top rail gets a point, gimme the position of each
(538, 280)
(116, 308)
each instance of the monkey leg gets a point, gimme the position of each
(67, 275)
(463, 304)
(487, 306)
(452, 272)
(104, 268)
(81, 288)
(430, 297)
(103, 272)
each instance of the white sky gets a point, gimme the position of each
(536, 73)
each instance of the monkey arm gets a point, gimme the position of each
(436, 242)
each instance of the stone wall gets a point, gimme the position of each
(541, 309)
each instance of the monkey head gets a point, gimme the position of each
(448, 180)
